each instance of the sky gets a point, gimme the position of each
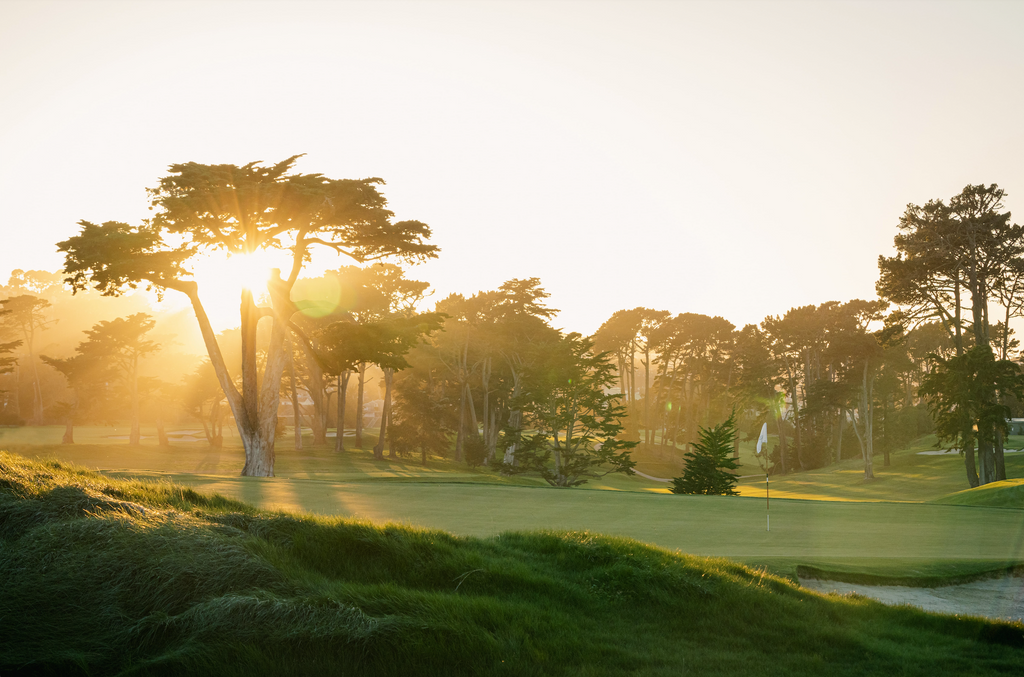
(727, 158)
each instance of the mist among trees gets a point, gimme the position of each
(365, 354)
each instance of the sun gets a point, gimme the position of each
(222, 277)
(249, 271)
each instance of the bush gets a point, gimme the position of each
(708, 465)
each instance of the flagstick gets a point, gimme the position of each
(767, 504)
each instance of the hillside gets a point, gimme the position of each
(107, 576)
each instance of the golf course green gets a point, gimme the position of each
(910, 524)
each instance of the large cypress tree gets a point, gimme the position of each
(709, 463)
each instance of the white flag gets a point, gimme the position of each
(762, 438)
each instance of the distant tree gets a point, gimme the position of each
(425, 419)
(757, 376)
(490, 340)
(26, 315)
(88, 377)
(122, 344)
(953, 260)
(709, 463)
(578, 423)
(7, 363)
(241, 210)
(384, 343)
(200, 396)
(158, 396)
(627, 334)
(351, 294)
(956, 390)
(7, 366)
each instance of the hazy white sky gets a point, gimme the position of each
(735, 159)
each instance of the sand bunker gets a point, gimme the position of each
(1000, 598)
(956, 452)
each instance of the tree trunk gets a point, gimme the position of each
(474, 423)
(885, 432)
(972, 471)
(1000, 459)
(161, 434)
(260, 457)
(296, 412)
(37, 392)
(515, 416)
(492, 436)
(339, 441)
(135, 437)
(868, 415)
(391, 441)
(795, 397)
(856, 431)
(461, 434)
(782, 438)
(485, 377)
(839, 436)
(69, 430)
(206, 428)
(250, 386)
(647, 393)
(360, 383)
(632, 384)
(316, 389)
(986, 462)
(378, 449)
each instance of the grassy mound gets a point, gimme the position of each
(1005, 494)
(103, 576)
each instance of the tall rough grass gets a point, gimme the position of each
(100, 576)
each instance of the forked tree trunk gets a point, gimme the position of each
(255, 408)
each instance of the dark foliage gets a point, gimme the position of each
(709, 464)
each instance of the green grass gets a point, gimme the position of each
(106, 576)
(1005, 494)
(912, 477)
(862, 539)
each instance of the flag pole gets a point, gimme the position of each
(762, 442)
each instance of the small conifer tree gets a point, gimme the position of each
(709, 464)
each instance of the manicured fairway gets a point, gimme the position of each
(888, 539)
(701, 525)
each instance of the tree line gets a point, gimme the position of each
(488, 380)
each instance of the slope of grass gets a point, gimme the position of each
(1005, 494)
(105, 576)
(911, 477)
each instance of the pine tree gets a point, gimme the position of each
(708, 464)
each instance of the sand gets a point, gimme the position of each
(997, 598)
